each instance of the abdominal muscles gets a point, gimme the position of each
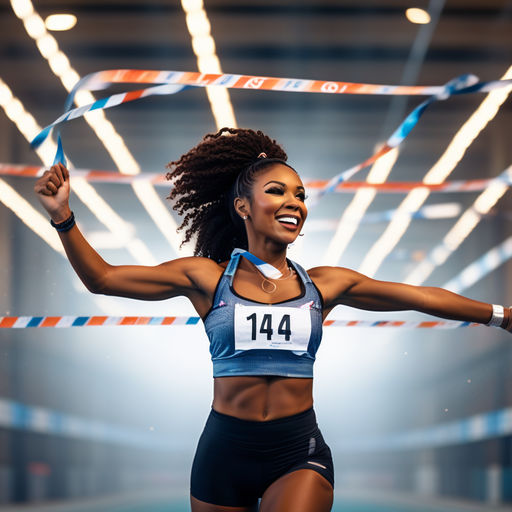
(262, 398)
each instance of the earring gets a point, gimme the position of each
(301, 234)
(244, 217)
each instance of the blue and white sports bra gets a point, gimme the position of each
(252, 338)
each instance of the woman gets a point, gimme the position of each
(236, 190)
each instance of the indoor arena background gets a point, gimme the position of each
(107, 418)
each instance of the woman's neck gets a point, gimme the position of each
(274, 256)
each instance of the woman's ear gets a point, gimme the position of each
(241, 207)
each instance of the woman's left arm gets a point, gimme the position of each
(350, 288)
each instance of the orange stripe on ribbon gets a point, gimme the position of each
(133, 95)
(97, 320)
(8, 321)
(128, 320)
(426, 325)
(50, 321)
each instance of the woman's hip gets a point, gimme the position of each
(236, 460)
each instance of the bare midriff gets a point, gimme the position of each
(262, 398)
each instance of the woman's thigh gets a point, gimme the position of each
(201, 506)
(303, 490)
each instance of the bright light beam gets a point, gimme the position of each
(28, 126)
(437, 174)
(462, 228)
(480, 268)
(355, 211)
(203, 45)
(113, 142)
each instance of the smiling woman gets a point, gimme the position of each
(277, 201)
(208, 178)
(244, 204)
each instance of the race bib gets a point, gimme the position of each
(272, 327)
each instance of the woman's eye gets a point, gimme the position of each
(274, 190)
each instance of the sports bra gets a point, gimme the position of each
(252, 338)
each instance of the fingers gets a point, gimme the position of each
(55, 176)
(61, 172)
(43, 191)
(52, 180)
(48, 184)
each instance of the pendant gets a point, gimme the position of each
(272, 288)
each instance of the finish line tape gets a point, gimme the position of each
(22, 322)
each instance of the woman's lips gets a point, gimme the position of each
(289, 225)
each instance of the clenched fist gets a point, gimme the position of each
(52, 190)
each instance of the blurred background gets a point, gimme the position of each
(107, 418)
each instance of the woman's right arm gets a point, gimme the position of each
(169, 279)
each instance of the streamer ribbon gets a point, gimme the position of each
(111, 101)
(159, 180)
(172, 82)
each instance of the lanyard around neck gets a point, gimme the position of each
(266, 269)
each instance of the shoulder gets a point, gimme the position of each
(192, 263)
(326, 273)
(196, 268)
(333, 282)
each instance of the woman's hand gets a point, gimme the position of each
(52, 190)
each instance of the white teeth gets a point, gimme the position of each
(290, 220)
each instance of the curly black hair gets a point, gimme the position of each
(206, 180)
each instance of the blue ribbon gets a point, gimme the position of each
(163, 89)
(266, 269)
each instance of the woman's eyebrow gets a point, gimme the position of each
(282, 184)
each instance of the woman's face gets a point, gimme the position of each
(276, 209)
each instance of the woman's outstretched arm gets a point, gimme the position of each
(350, 288)
(169, 279)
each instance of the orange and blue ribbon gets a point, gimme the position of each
(172, 82)
(25, 322)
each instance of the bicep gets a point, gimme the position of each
(158, 282)
(347, 287)
(374, 295)
(350, 288)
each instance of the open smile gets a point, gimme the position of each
(289, 222)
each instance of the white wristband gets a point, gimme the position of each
(498, 314)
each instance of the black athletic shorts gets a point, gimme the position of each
(236, 460)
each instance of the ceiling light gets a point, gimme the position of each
(60, 21)
(203, 45)
(416, 15)
(22, 8)
(47, 46)
(34, 26)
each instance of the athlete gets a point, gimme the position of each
(244, 204)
